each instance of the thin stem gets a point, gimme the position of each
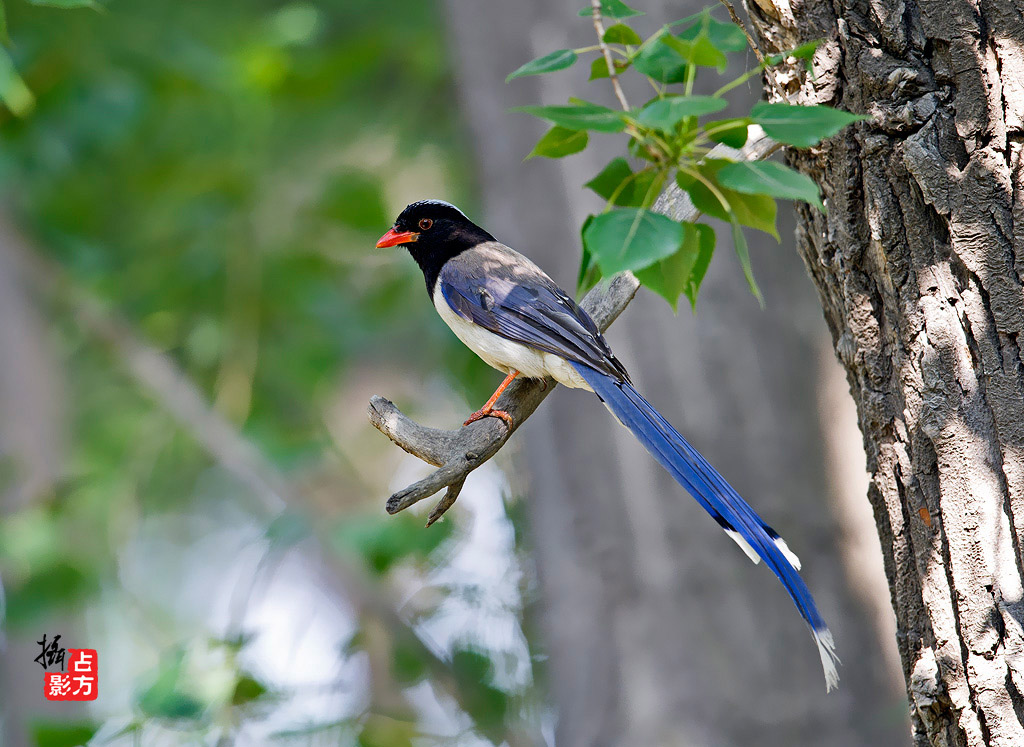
(654, 189)
(711, 187)
(757, 52)
(618, 190)
(695, 16)
(595, 47)
(607, 52)
(706, 135)
(641, 138)
(739, 81)
(666, 149)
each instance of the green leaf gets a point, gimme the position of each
(67, 4)
(743, 252)
(558, 60)
(802, 126)
(659, 61)
(407, 661)
(380, 730)
(631, 239)
(599, 68)
(700, 267)
(610, 178)
(633, 194)
(665, 114)
(4, 36)
(166, 698)
(62, 733)
(62, 586)
(13, 90)
(756, 211)
(589, 272)
(559, 142)
(247, 689)
(674, 275)
(731, 132)
(612, 9)
(768, 178)
(700, 51)
(485, 703)
(620, 33)
(583, 116)
(803, 52)
(726, 37)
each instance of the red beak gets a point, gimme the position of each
(394, 238)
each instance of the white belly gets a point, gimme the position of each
(506, 355)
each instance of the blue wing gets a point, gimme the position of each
(520, 303)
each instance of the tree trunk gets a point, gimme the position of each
(660, 632)
(31, 451)
(918, 268)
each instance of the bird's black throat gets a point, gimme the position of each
(432, 251)
(443, 231)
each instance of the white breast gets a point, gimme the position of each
(506, 355)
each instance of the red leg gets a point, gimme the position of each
(488, 409)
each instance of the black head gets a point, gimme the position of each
(433, 231)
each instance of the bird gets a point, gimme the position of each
(513, 316)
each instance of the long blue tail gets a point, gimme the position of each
(717, 497)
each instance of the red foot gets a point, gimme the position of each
(488, 409)
(486, 412)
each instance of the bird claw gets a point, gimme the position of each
(491, 413)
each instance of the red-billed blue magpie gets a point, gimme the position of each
(511, 314)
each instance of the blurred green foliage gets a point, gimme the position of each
(217, 171)
(50, 734)
(202, 168)
(216, 174)
(382, 544)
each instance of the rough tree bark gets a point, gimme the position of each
(646, 609)
(918, 266)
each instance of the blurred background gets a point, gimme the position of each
(193, 318)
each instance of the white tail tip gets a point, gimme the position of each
(744, 545)
(752, 553)
(790, 555)
(827, 652)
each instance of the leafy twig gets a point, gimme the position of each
(607, 52)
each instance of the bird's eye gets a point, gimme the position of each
(425, 224)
